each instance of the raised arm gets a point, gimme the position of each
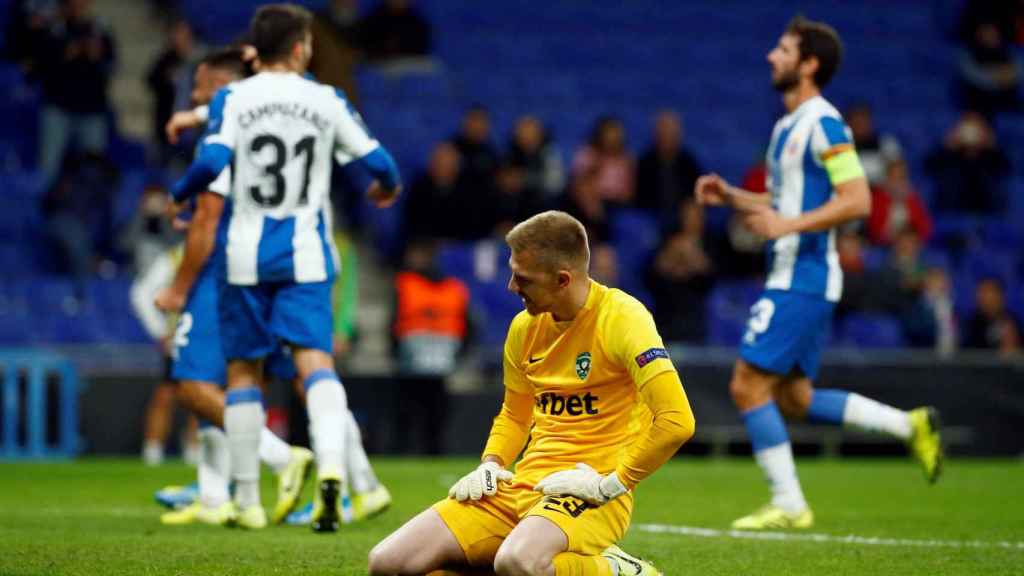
(713, 190)
(214, 153)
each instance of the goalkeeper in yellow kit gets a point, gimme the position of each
(588, 382)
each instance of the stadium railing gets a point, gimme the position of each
(27, 417)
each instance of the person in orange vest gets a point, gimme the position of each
(430, 329)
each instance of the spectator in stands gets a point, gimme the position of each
(604, 264)
(850, 246)
(532, 151)
(336, 45)
(667, 171)
(513, 202)
(605, 156)
(992, 326)
(394, 30)
(78, 215)
(904, 271)
(163, 76)
(150, 233)
(28, 25)
(584, 202)
(989, 72)
(680, 277)
(430, 330)
(969, 168)
(896, 205)
(741, 252)
(935, 322)
(479, 155)
(440, 206)
(75, 69)
(875, 151)
(756, 177)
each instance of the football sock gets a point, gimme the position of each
(572, 564)
(827, 406)
(327, 405)
(214, 459)
(243, 420)
(774, 455)
(153, 452)
(873, 416)
(273, 451)
(360, 473)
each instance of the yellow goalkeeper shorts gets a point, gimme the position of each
(480, 526)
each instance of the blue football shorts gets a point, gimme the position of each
(198, 353)
(787, 330)
(256, 319)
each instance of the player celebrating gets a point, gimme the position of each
(281, 131)
(587, 378)
(816, 183)
(198, 368)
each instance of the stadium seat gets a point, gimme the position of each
(729, 309)
(870, 331)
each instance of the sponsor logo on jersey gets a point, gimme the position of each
(573, 404)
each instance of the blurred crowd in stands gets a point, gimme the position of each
(474, 188)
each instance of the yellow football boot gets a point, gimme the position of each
(771, 516)
(290, 483)
(629, 565)
(181, 517)
(371, 503)
(925, 442)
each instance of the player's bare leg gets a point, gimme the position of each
(327, 406)
(243, 421)
(531, 547)
(158, 423)
(918, 428)
(204, 399)
(752, 391)
(793, 395)
(538, 547)
(751, 387)
(423, 544)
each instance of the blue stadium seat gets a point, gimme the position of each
(456, 259)
(729, 309)
(870, 331)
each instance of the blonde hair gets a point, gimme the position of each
(554, 238)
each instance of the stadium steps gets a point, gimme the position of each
(372, 352)
(139, 38)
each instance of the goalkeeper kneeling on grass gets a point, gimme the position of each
(588, 380)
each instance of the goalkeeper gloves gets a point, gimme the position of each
(584, 483)
(480, 482)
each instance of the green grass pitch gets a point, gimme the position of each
(98, 517)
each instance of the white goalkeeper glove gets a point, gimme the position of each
(584, 483)
(480, 482)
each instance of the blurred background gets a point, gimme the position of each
(606, 109)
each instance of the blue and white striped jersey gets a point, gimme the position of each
(283, 132)
(798, 182)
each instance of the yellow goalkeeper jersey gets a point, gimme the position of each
(585, 376)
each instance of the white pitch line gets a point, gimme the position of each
(822, 538)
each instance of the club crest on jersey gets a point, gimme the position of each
(583, 365)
